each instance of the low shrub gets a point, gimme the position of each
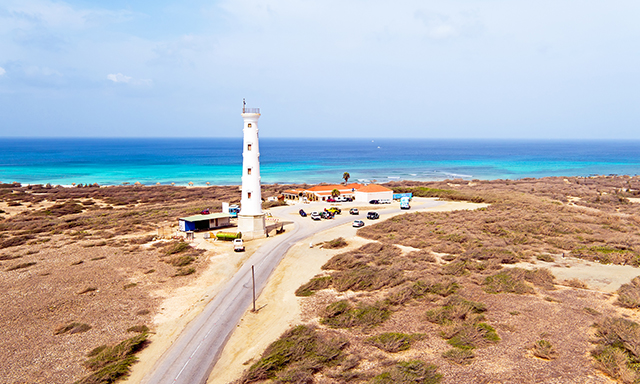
(456, 309)
(545, 257)
(111, 363)
(298, 353)
(459, 356)
(72, 328)
(366, 278)
(544, 350)
(442, 287)
(342, 315)
(87, 290)
(182, 261)
(15, 241)
(9, 257)
(315, 284)
(335, 243)
(184, 272)
(629, 294)
(393, 341)
(618, 348)
(21, 266)
(409, 372)
(511, 281)
(469, 336)
(138, 328)
(176, 247)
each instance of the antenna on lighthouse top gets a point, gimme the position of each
(244, 105)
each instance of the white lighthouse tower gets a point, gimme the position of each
(251, 219)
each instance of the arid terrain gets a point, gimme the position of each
(470, 296)
(474, 296)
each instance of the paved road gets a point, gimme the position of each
(191, 357)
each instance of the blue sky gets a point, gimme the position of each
(333, 68)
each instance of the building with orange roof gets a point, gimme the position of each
(373, 192)
(358, 192)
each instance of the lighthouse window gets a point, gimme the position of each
(248, 171)
(248, 147)
(249, 125)
(248, 195)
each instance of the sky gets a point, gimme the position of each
(544, 69)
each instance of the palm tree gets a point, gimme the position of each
(335, 193)
(346, 177)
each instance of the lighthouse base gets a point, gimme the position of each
(252, 227)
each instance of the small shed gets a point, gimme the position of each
(204, 222)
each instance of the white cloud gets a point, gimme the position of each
(2, 71)
(120, 78)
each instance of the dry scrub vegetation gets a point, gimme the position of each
(456, 310)
(77, 271)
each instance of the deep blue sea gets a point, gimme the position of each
(219, 161)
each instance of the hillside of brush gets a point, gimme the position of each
(464, 296)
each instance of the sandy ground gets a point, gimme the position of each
(599, 277)
(278, 306)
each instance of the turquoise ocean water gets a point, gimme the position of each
(219, 161)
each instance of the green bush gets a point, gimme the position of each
(459, 356)
(409, 372)
(342, 315)
(393, 341)
(469, 336)
(111, 363)
(178, 247)
(299, 352)
(456, 309)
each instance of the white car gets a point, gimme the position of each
(385, 201)
(358, 223)
(238, 245)
(315, 215)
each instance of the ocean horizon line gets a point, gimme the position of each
(263, 137)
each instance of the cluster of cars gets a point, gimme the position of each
(381, 201)
(339, 199)
(329, 213)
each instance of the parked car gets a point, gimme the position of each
(315, 215)
(331, 200)
(358, 223)
(374, 201)
(302, 213)
(384, 201)
(354, 211)
(341, 199)
(238, 245)
(373, 215)
(326, 215)
(334, 210)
